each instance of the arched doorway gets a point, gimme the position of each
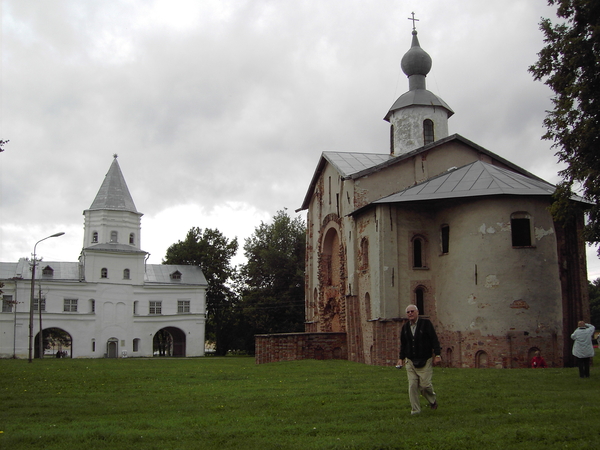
(112, 348)
(331, 277)
(169, 341)
(57, 343)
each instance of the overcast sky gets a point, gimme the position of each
(219, 110)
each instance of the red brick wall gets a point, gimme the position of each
(295, 346)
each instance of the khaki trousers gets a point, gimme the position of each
(419, 381)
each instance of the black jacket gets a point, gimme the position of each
(420, 347)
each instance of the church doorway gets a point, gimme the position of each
(112, 348)
(56, 342)
(169, 341)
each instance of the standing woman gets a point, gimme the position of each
(583, 349)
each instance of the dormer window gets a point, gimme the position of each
(176, 275)
(95, 237)
(47, 271)
(114, 237)
(428, 137)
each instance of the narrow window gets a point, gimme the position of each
(135, 308)
(93, 345)
(428, 137)
(364, 257)
(126, 274)
(155, 307)
(445, 238)
(391, 139)
(104, 273)
(420, 299)
(132, 238)
(92, 306)
(183, 306)
(520, 225)
(114, 237)
(70, 305)
(136, 345)
(417, 252)
(95, 237)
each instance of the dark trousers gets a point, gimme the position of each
(584, 367)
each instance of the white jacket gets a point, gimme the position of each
(582, 347)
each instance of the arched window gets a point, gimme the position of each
(104, 273)
(428, 136)
(419, 252)
(114, 237)
(520, 226)
(364, 253)
(368, 306)
(481, 360)
(95, 237)
(132, 238)
(126, 274)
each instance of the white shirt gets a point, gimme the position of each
(582, 347)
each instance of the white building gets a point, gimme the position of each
(110, 303)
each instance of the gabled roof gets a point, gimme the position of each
(114, 194)
(357, 165)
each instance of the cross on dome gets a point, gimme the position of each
(413, 20)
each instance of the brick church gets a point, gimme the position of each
(443, 223)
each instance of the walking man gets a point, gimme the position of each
(418, 345)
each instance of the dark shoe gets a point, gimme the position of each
(433, 405)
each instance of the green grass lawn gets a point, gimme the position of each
(231, 403)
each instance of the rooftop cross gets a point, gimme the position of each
(413, 20)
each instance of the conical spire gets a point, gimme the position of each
(114, 194)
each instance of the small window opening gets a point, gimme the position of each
(445, 238)
(95, 237)
(520, 225)
(428, 137)
(114, 237)
(417, 253)
(104, 273)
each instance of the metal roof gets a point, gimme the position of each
(473, 180)
(348, 164)
(114, 194)
(69, 271)
(421, 97)
(161, 273)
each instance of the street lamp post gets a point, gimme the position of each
(33, 296)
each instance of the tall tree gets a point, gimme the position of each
(272, 281)
(570, 65)
(212, 251)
